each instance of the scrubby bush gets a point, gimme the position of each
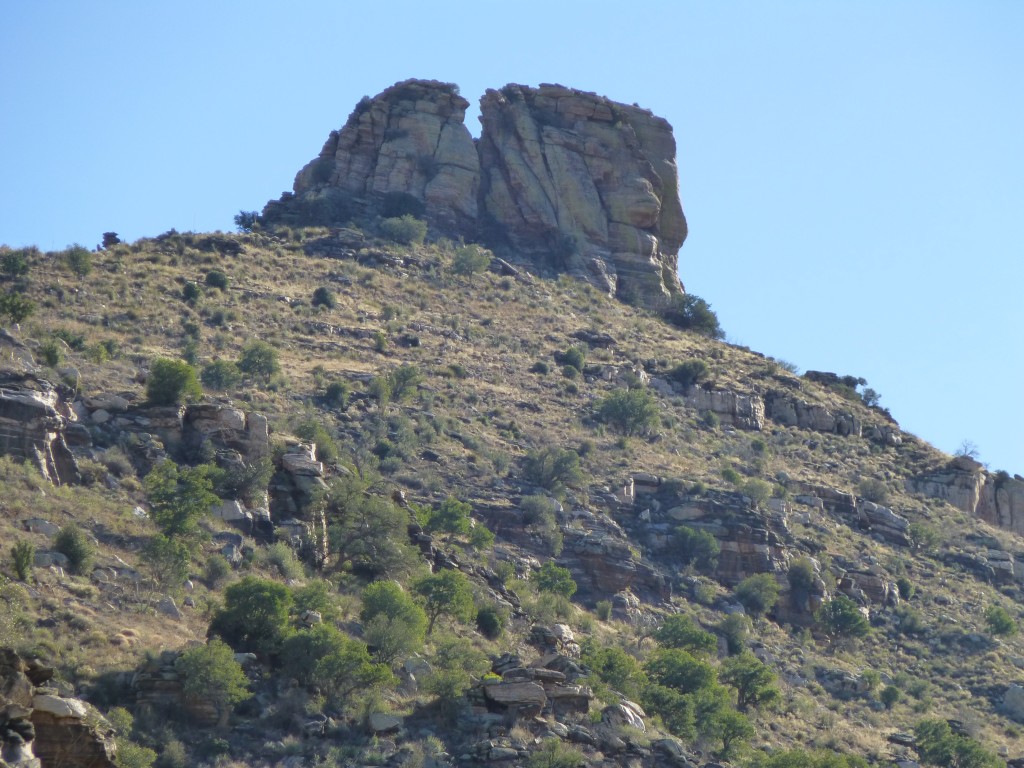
(72, 542)
(339, 665)
(629, 411)
(689, 373)
(873, 489)
(683, 632)
(217, 571)
(753, 680)
(312, 430)
(51, 352)
(16, 263)
(734, 628)
(407, 229)
(168, 560)
(692, 313)
(1000, 622)
(554, 754)
(172, 382)
(757, 490)
(337, 394)
(221, 375)
(490, 621)
(393, 623)
(451, 516)
(889, 696)
(555, 579)
(758, 593)
(937, 745)
(16, 307)
(282, 558)
(841, 618)
(23, 556)
(906, 587)
(179, 497)
(696, 547)
(78, 259)
(259, 359)
(254, 616)
(213, 676)
(246, 220)
(574, 357)
(552, 468)
(191, 292)
(217, 279)
(324, 297)
(470, 259)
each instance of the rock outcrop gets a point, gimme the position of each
(570, 180)
(407, 146)
(33, 420)
(997, 498)
(586, 183)
(40, 728)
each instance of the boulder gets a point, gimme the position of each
(516, 694)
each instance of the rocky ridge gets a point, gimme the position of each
(570, 180)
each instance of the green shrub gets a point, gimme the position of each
(490, 621)
(213, 676)
(407, 229)
(937, 745)
(246, 220)
(758, 593)
(841, 618)
(51, 352)
(71, 542)
(753, 680)
(179, 497)
(629, 411)
(16, 263)
(481, 537)
(734, 628)
(757, 490)
(470, 259)
(254, 617)
(312, 430)
(554, 754)
(337, 394)
(78, 259)
(324, 297)
(447, 593)
(339, 665)
(23, 556)
(1000, 622)
(452, 517)
(221, 375)
(679, 631)
(282, 557)
(168, 560)
(874, 490)
(906, 587)
(259, 359)
(689, 373)
(217, 279)
(540, 367)
(573, 357)
(889, 696)
(553, 468)
(218, 569)
(16, 307)
(692, 313)
(696, 547)
(603, 610)
(172, 382)
(555, 579)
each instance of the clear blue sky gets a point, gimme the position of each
(852, 172)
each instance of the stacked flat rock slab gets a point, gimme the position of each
(586, 182)
(412, 140)
(32, 425)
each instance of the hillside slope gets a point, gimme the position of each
(661, 468)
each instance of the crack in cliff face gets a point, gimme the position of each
(561, 178)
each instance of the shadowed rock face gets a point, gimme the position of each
(568, 180)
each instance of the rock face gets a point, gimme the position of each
(408, 142)
(996, 498)
(40, 728)
(587, 183)
(571, 180)
(32, 426)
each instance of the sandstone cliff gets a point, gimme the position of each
(568, 180)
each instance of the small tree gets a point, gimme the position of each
(692, 313)
(447, 593)
(682, 632)
(393, 624)
(841, 618)
(554, 579)
(221, 375)
(688, 373)
(259, 359)
(16, 307)
(629, 411)
(23, 554)
(452, 517)
(217, 279)
(754, 681)
(406, 229)
(734, 628)
(172, 382)
(470, 259)
(553, 468)
(212, 675)
(254, 616)
(168, 559)
(339, 665)
(179, 497)
(78, 259)
(246, 220)
(758, 593)
(680, 670)
(324, 297)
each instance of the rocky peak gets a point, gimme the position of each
(565, 179)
